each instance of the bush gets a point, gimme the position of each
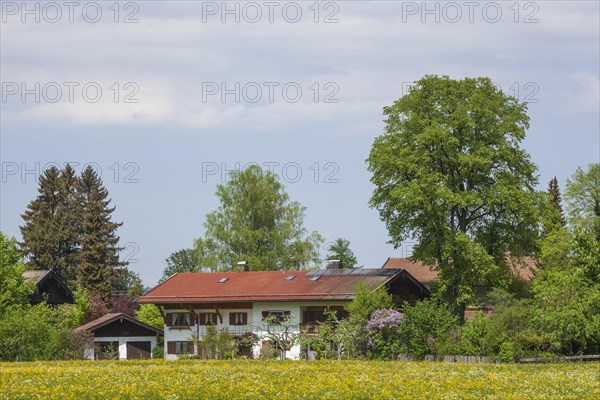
(426, 327)
(158, 351)
(383, 331)
(38, 332)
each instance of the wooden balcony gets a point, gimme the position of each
(236, 330)
(310, 328)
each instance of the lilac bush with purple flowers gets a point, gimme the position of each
(383, 332)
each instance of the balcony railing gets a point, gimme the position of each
(311, 328)
(233, 329)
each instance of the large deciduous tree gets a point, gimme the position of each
(14, 290)
(449, 172)
(184, 260)
(583, 198)
(257, 222)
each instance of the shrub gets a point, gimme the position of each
(383, 331)
(425, 328)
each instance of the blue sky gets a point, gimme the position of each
(189, 89)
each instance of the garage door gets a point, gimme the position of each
(138, 350)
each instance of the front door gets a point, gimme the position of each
(138, 350)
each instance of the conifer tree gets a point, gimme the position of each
(99, 255)
(50, 229)
(556, 200)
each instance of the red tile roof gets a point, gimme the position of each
(522, 267)
(420, 271)
(111, 317)
(198, 287)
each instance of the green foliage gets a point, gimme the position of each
(511, 322)
(569, 309)
(256, 222)
(184, 260)
(68, 229)
(281, 333)
(50, 233)
(383, 331)
(366, 301)
(99, 254)
(555, 217)
(78, 313)
(425, 327)
(158, 351)
(149, 314)
(583, 198)
(334, 337)
(340, 250)
(217, 344)
(38, 332)
(127, 282)
(450, 172)
(475, 336)
(13, 288)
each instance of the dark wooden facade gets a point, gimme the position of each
(49, 288)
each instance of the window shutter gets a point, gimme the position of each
(170, 347)
(231, 318)
(169, 319)
(192, 318)
(245, 318)
(190, 347)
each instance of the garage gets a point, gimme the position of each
(139, 350)
(120, 336)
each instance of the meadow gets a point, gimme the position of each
(258, 379)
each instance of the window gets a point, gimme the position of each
(180, 319)
(180, 347)
(208, 319)
(280, 315)
(238, 318)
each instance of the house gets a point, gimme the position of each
(420, 271)
(48, 287)
(118, 335)
(522, 268)
(239, 301)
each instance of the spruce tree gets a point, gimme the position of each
(556, 200)
(50, 229)
(99, 255)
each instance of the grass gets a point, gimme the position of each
(250, 379)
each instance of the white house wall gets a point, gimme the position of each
(254, 319)
(89, 352)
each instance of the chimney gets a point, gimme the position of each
(334, 264)
(242, 266)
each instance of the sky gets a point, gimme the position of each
(163, 98)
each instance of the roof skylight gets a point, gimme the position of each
(223, 280)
